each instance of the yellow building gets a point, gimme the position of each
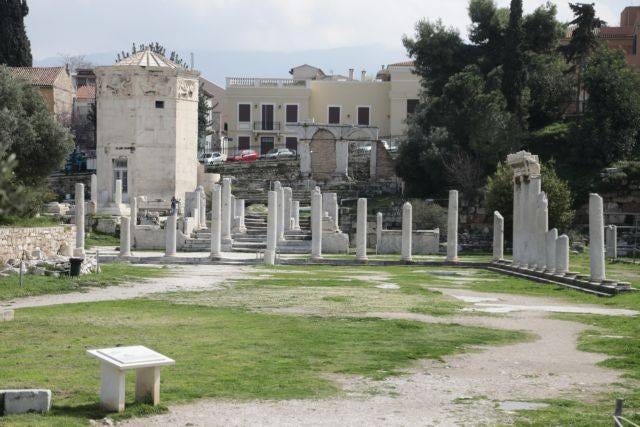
(262, 112)
(55, 86)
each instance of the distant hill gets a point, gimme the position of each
(216, 65)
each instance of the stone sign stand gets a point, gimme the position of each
(407, 228)
(498, 236)
(216, 222)
(316, 224)
(270, 251)
(78, 252)
(361, 230)
(452, 227)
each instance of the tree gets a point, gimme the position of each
(584, 40)
(488, 23)
(514, 72)
(550, 89)
(499, 196)
(15, 49)
(542, 31)
(30, 134)
(204, 121)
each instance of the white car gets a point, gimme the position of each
(209, 159)
(280, 153)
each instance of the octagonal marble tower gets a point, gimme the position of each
(147, 128)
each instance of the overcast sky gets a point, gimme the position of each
(93, 26)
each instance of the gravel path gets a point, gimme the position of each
(183, 278)
(461, 391)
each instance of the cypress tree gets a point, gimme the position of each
(514, 80)
(15, 49)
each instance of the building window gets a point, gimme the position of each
(266, 144)
(291, 113)
(120, 173)
(363, 116)
(244, 113)
(159, 104)
(267, 117)
(334, 115)
(244, 142)
(291, 142)
(412, 105)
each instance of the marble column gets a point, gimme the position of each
(280, 212)
(361, 230)
(452, 227)
(134, 219)
(498, 236)
(216, 222)
(94, 189)
(596, 238)
(203, 207)
(523, 216)
(316, 224)
(288, 199)
(407, 230)
(342, 158)
(296, 214)
(378, 230)
(117, 198)
(227, 242)
(330, 205)
(551, 243)
(125, 232)
(170, 234)
(272, 223)
(234, 215)
(515, 242)
(542, 226)
(304, 152)
(240, 215)
(611, 239)
(562, 255)
(79, 199)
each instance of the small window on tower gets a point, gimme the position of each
(159, 104)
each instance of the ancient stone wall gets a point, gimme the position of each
(14, 240)
(63, 184)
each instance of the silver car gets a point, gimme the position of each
(280, 153)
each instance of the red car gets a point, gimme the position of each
(243, 156)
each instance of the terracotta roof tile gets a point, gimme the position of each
(37, 76)
(607, 32)
(402, 64)
(86, 92)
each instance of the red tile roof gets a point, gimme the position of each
(86, 92)
(402, 64)
(37, 76)
(612, 32)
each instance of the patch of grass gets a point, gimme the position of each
(100, 239)
(111, 274)
(220, 352)
(337, 298)
(16, 221)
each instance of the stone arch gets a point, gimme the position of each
(323, 155)
(360, 150)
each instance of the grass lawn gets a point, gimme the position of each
(220, 352)
(16, 221)
(111, 274)
(99, 239)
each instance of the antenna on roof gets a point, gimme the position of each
(192, 60)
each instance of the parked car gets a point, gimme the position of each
(280, 153)
(209, 159)
(243, 156)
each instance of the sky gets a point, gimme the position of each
(367, 33)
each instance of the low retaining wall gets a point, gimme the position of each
(14, 240)
(423, 242)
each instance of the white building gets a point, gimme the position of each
(147, 128)
(261, 112)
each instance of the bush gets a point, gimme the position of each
(499, 196)
(428, 215)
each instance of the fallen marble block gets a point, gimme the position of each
(23, 401)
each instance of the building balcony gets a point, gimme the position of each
(249, 82)
(265, 127)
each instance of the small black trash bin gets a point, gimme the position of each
(75, 266)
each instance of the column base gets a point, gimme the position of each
(170, 254)
(269, 257)
(407, 259)
(215, 257)
(452, 259)
(316, 257)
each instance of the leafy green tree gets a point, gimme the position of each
(514, 72)
(551, 89)
(488, 24)
(30, 135)
(499, 196)
(204, 121)
(15, 48)
(438, 53)
(542, 31)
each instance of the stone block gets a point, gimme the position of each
(23, 401)
(6, 315)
